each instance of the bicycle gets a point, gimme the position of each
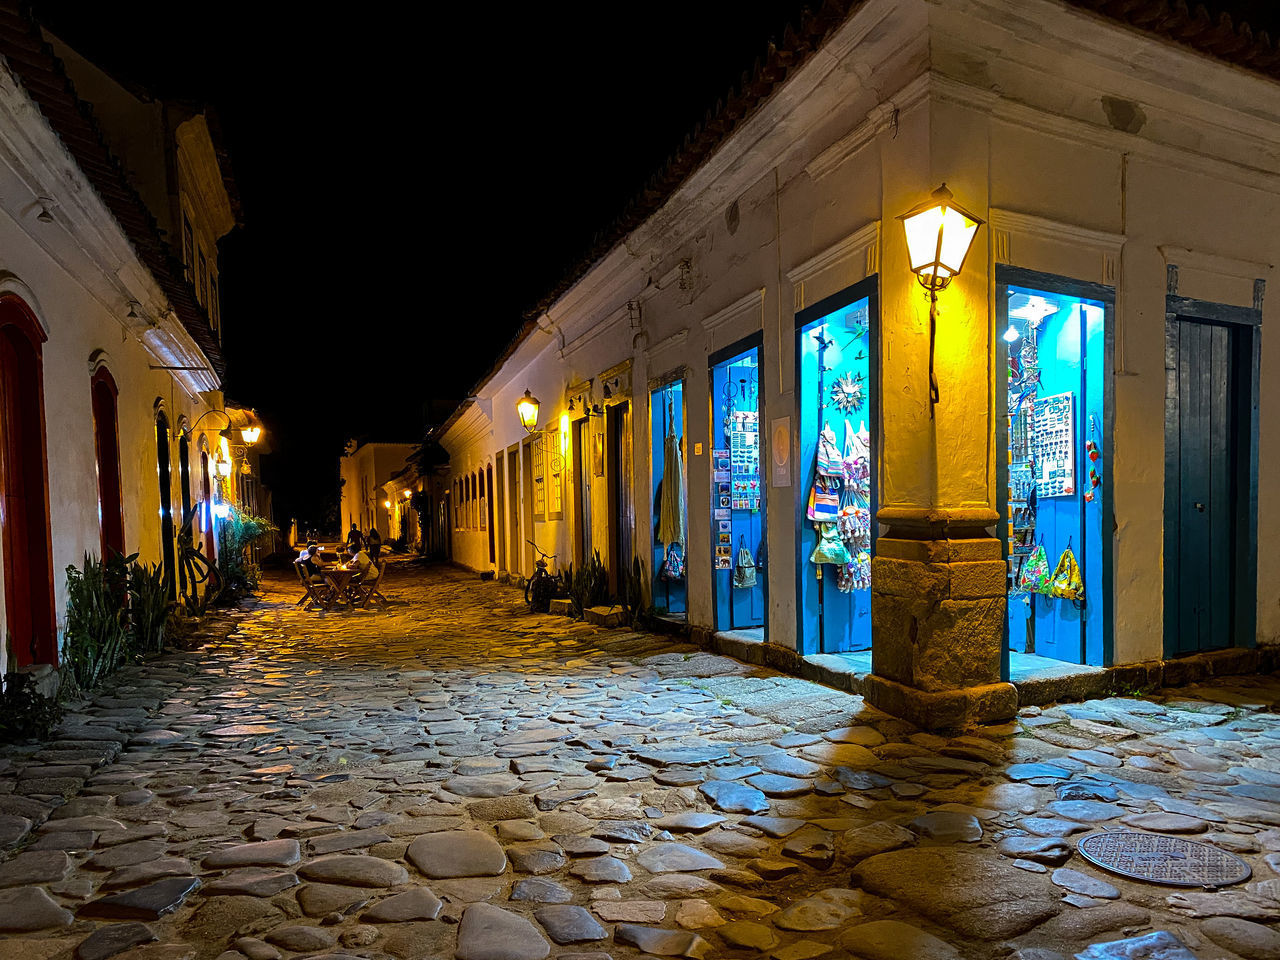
(542, 587)
(194, 569)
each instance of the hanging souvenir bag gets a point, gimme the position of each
(672, 565)
(1034, 576)
(857, 463)
(744, 572)
(830, 548)
(1067, 584)
(830, 461)
(824, 501)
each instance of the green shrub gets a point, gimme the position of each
(97, 633)
(149, 608)
(25, 712)
(589, 585)
(236, 534)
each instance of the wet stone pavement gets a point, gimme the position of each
(451, 777)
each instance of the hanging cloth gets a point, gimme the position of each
(671, 514)
(744, 572)
(830, 460)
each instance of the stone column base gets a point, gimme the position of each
(942, 709)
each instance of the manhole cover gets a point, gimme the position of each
(1169, 860)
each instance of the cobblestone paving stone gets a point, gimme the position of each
(451, 777)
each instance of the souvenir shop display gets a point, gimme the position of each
(1055, 408)
(737, 494)
(839, 499)
(1054, 445)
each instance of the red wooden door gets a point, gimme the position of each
(24, 488)
(106, 435)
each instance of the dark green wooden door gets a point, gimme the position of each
(1200, 512)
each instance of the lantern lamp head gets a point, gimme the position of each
(386, 504)
(408, 494)
(223, 466)
(250, 435)
(527, 407)
(939, 235)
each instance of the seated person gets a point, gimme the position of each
(310, 560)
(362, 564)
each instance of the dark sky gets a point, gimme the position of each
(412, 186)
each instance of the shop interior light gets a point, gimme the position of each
(527, 407)
(1012, 333)
(250, 435)
(939, 235)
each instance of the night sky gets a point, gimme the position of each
(411, 187)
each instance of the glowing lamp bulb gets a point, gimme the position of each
(527, 408)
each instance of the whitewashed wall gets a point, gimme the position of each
(1020, 108)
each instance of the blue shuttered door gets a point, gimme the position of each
(1200, 516)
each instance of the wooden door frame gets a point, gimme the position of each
(1246, 358)
(28, 559)
(1009, 276)
(106, 433)
(868, 288)
(752, 341)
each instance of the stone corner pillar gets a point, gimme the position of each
(938, 618)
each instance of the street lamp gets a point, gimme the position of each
(527, 407)
(250, 435)
(939, 235)
(223, 465)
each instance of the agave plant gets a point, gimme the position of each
(149, 607)
(97, 633)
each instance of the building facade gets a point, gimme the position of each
(110, 362)
(1061, 463)
(365, 467)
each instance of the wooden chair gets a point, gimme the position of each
(364, 591)
(314, 592)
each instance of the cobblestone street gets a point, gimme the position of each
(452, 777)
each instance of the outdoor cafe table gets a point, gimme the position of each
(339, 580)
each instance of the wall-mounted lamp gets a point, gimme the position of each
(633, 313)
(223, 466)
(408, 494)
(386, 504)
(245, 468)
(133, 311)
(250, 435)
(44, 216)
(527, 407)
(939, 235)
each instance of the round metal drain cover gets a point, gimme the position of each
(1159, 859)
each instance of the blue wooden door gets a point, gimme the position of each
(1200, 510)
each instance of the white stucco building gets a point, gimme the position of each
(1094, 381)
(110, 357)
(365, 467)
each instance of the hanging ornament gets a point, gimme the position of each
(847, 394)
(1095, 460)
